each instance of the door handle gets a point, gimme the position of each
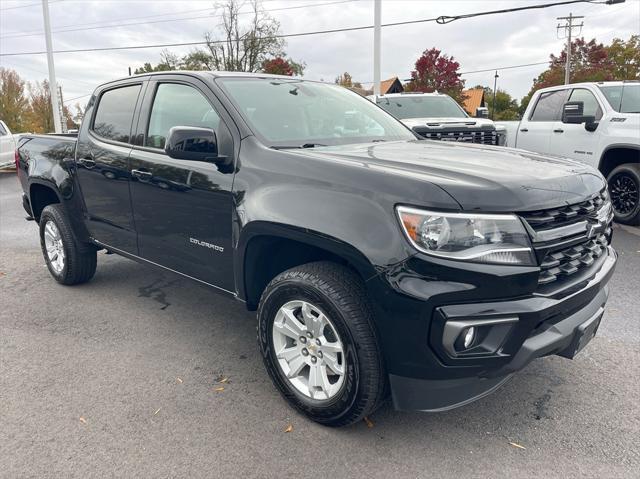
(524, 129)
(88, 163)
(558, 130)
(142, 174)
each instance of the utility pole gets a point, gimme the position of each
(568, 28)
(377, 21)
(495, 85)
(53, 84)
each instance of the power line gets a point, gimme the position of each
(441, 20)
(25, 6)
(199, 17)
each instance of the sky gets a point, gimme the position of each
(483, 43)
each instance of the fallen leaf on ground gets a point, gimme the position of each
(223, 380)
(289, 428)
(83, 420)
(179, 380)
(517, 445)
(219, 390)
(368, 422)
(157, 411)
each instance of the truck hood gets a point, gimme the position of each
(447, 122)
(478, 177)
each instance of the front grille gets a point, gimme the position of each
(552, 218)
(569, 239)
(485, 137)
(563, 263)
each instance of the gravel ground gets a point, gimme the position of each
(117, 378)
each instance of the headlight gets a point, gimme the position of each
(481, 238)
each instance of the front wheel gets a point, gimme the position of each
(624, 188)
(319, 344)
(68, 262)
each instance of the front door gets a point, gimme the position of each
(182, 208)
(536, 131)
(102, 161)
(574, 141)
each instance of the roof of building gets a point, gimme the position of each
(386, 85)
(474, 98)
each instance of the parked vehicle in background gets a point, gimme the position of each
(379, 263)
(7, 146)
(595, 123)
(436, 116)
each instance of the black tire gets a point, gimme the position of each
(340, 294)
(80, 259)
(624, 188)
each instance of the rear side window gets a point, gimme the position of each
(549, 106)
(591, 105)
(178, 105)
(115, 113)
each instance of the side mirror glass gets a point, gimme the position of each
(482, 112)
(192, 143)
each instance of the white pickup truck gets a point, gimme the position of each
(7, 146)
(595, 123)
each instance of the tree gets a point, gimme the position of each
(280, 66)
(506, 106)
(344, 80)
(591, 61)
(435, 71)
(14, 105)
(40, 112)
(168, 61)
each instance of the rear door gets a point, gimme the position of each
(574, 141)
(102, 160)
(535, 131)
(182, 208)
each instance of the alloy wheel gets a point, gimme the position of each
(624, 193)
(54, 247)
(309, 351)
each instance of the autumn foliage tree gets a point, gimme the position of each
(435, 71)
(591, 61)
(282, 66)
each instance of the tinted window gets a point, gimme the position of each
(178, 105)
(290, 113)
(549, 106)
(115, 113)
(623, 98)
(421, 107)
(591, 105)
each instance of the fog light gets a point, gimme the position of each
(469, 336)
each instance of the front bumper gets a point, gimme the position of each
(536, 325)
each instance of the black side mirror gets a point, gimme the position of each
(482, 112)
(192, 143)
(573, 113)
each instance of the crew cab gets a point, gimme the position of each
(379, 263)
(594, 123)
(436, 116)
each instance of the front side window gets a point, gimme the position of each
(178, 105)
(115, 113)
(291, 113)
(591, 105)
(413, 106)
(623, 98)
(549, 106)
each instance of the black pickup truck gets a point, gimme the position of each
(380, 264)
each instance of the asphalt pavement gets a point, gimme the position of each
(119, 378)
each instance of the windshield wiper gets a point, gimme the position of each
(292, 147)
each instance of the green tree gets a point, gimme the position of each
(14, 105)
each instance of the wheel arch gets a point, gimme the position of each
(616, 155)
(266, 249)
(41, 195)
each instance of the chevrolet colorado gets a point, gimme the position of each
(379, 263)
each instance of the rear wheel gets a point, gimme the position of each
(68, 262)
(319, 345)
(624, 188)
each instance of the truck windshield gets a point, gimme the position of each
(623, 98)
(298, 113)
(422, 107)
